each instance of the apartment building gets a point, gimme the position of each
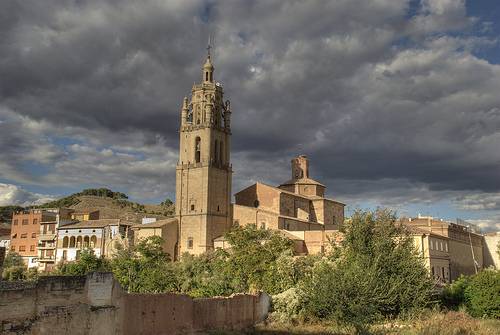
(47, 241)
(24, 235)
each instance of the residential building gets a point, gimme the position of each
(85, 215)
(434, 250)
(101, 236)
(24, 235)
(5, 242)
(464, 246)
(166, 229)
(52, 218)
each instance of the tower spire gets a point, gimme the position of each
(208, 68)
(209, 46)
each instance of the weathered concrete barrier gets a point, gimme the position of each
(96, 304)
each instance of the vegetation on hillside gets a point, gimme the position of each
(72, 199)
(120, 200)
(7, 211)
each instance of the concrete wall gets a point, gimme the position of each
(96, 304)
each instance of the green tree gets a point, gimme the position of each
(453, 295)
(374, 273)
(13, 259)
(252, 257)
(87, 262)
(145, 268)
(483, 294)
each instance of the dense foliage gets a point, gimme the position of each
(374, 273)
(15, 269)
(479, 294)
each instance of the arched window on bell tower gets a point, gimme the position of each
(197, 150)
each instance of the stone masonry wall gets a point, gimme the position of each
(96, 304)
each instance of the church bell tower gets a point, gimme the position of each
(203, 173)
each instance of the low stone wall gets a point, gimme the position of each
(96, 304)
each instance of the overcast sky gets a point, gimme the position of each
(397, 103)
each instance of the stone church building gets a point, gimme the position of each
(204, 211)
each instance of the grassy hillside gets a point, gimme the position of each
(110, 204)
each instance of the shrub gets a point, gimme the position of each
(453, 295)
(375, 273)
(288, 305)
(87, 262)
(483, 294)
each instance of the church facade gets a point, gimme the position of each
(204, 212)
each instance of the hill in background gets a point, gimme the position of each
(111, 205)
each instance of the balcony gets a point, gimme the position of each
(46, 247)
(47, 237)
(45, 259)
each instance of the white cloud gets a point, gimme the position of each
(14, 195)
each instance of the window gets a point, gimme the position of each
(24, 235)
(442, 272)
(25, 222)
(22, 248)
(192, 207)
(65, 255)
(32, 248)
(441, 245)
(65, 242)
(15, 222)
(33, 235)
(432, 269)
(72, 242)
(197, 150)
(78, 254)
(218, 208)
(236, 223)
(190, 243)
(446, 246)
(262, 225)
(35, 221)
(432, 244)
(93, 241)
(86, 242)
(13, 248)
(14, 236)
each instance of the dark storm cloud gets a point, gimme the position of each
(377, 98)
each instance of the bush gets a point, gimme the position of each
(19, 272)
(288, 305)
(87, 262)
(453, 295)
(375, 273)
(145, 268)
(483, 294)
